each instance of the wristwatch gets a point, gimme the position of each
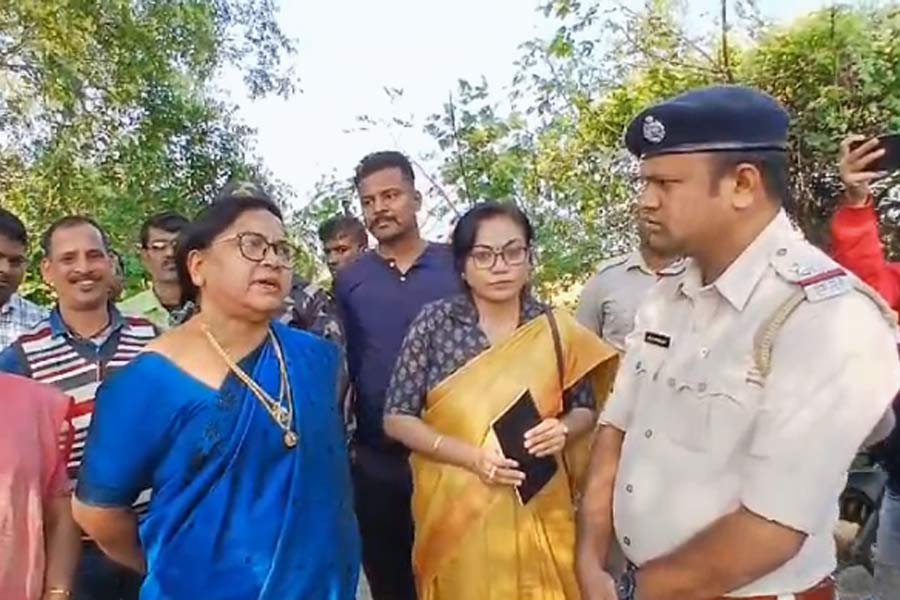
(626, 584)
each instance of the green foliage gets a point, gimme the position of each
(556, 146)
(107, 107)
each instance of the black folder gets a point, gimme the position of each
(510, 428)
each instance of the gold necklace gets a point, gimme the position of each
(283, 417)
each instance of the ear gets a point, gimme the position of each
(418, 197)
(45, 271)
(747, 186)
(196, 263)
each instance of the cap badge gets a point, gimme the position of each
(654, 131)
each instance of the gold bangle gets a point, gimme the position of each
(437, 443)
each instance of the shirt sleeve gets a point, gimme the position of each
(580, 395)
(409, 381)
(590, 306)
(128, 436)
(12, 360)
(812, 422)
(856, 245)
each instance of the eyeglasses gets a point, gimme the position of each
(162, 245)
(485, 257)
(255, 246)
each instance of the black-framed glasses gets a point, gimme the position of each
(255, 246)
(485, 257)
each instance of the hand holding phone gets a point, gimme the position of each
(862, 161)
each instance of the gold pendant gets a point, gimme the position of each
(291, 439)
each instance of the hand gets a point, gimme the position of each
(596, 584)
(494, 469)
(853, 164)
(548, 438)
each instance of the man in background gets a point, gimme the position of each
(379, 295)
(159, 236)
(84, 340)
(612, 296)
(344, 238)
(17, 315)
(856, 244)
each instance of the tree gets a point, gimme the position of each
(108, 107)
(558, 151)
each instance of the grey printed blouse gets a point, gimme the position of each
(442, 339)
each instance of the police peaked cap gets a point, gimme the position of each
(712, 119)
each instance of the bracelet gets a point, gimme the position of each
(437, 443)
(57, 593)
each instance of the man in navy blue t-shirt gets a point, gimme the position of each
(379, 295)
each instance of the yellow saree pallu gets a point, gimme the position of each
(475, 541)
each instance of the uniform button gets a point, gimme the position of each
(781, 251)
(704, 352)
(629, 488)
(648, 434)
(403, 278)
(702, 387)
(671, 382)
(638, 365)
(626, 540)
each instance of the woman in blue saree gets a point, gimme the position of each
(233, 421)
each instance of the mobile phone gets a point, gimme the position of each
(890, 161)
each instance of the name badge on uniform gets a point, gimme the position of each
(657, 339)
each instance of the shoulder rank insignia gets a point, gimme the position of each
(817, 275)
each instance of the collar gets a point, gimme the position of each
(463, 309)
(739, 280)
(13, 304)
(636, 260)
(58, 327)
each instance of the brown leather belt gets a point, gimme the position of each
(823, 591)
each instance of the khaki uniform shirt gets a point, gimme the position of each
(705, 433)
(145, 304)
(612, 296)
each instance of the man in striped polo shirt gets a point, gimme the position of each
(83, 340)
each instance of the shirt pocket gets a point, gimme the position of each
(711, 414)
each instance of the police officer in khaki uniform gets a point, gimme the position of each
(749, 381)
(611, 297)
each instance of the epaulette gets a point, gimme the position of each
(818, 275)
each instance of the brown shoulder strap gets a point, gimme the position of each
(557, 347)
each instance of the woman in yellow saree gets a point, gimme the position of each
(464, 361)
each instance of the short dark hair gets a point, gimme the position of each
(773, 167)
(169, 221)
(379, 161)
(11, 227)
(212, 221)
(466, 230)
(67, 223)
(343, 225)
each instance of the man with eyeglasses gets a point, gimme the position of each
(159, 235)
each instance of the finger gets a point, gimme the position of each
(509, 477)
(861, 162)
(865, 177)
(549, 448)
(502, 462)
(545, 425)
(860, 150)
(543, 438)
